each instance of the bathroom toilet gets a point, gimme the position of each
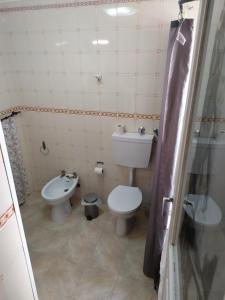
(124, 202)
(57, 193)
(131, 150)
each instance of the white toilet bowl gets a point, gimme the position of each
(57, 193)
(124, 202)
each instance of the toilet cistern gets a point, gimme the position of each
(130, 150)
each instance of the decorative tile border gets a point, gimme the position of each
(6, 216)
(6, 112)
(95, 113)
(63, 5)
(210, 120)
(80, 112)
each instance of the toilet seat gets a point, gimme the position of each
(125, 199)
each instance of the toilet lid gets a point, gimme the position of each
(124, 199)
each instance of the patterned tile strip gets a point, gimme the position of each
(81, 112)
(6, 216)
(64, 5)
(6, 112)
(95, 113)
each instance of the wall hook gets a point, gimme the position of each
(98, 77)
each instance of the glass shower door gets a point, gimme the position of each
(201, 242)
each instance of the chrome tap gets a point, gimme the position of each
(63, 173)
(69, 176)
(141, 130)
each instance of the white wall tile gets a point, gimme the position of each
(90, 62)
(91, 101)
(111, 36)
(86, 17)
(86, 40)
(130, 20)
(127, 62)
(70, 40)
(126, 102)
(108, 83)
(150, 13)
(59, 41)
(146, 84)
(35, 41)
(107, 102)
(49, 60)
(127, 39)
(126, 84)
(108, 63)
(75, 100)
(73, 81)
(69, 19)
(103, 20)
(55, 62)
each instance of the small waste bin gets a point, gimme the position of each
(91, 203)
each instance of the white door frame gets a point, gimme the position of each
(4, 151)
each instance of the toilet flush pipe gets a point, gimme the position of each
(131, 176)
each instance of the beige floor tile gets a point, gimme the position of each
(58, 279)
(82, 259)
(110, 252)
(132, 266)
(95, 284)
(132, 289)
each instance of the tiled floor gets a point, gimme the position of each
(81, 260)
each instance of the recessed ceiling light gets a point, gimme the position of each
(120, 11)
(60, 44)
(100, 42)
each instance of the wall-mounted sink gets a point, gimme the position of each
(203, 210)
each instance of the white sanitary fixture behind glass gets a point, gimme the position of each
(130, 150)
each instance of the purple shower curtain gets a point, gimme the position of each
(177, 68)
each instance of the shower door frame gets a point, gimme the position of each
(171, 286)
(184, 145)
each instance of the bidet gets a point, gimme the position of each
(57, 192)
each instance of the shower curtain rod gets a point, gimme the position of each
(12, 114)
(184, 1)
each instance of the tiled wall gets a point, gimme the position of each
(49, 58)
(75, 144)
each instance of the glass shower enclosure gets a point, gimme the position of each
(201, 241)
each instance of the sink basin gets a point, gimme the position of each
(203, 210)
(204, 141)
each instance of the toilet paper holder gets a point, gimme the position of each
(99, 168)
(99, 164)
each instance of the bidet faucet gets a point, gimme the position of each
(63, 173)
(69, 176)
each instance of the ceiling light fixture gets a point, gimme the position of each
(100, 42)
(120, 11)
